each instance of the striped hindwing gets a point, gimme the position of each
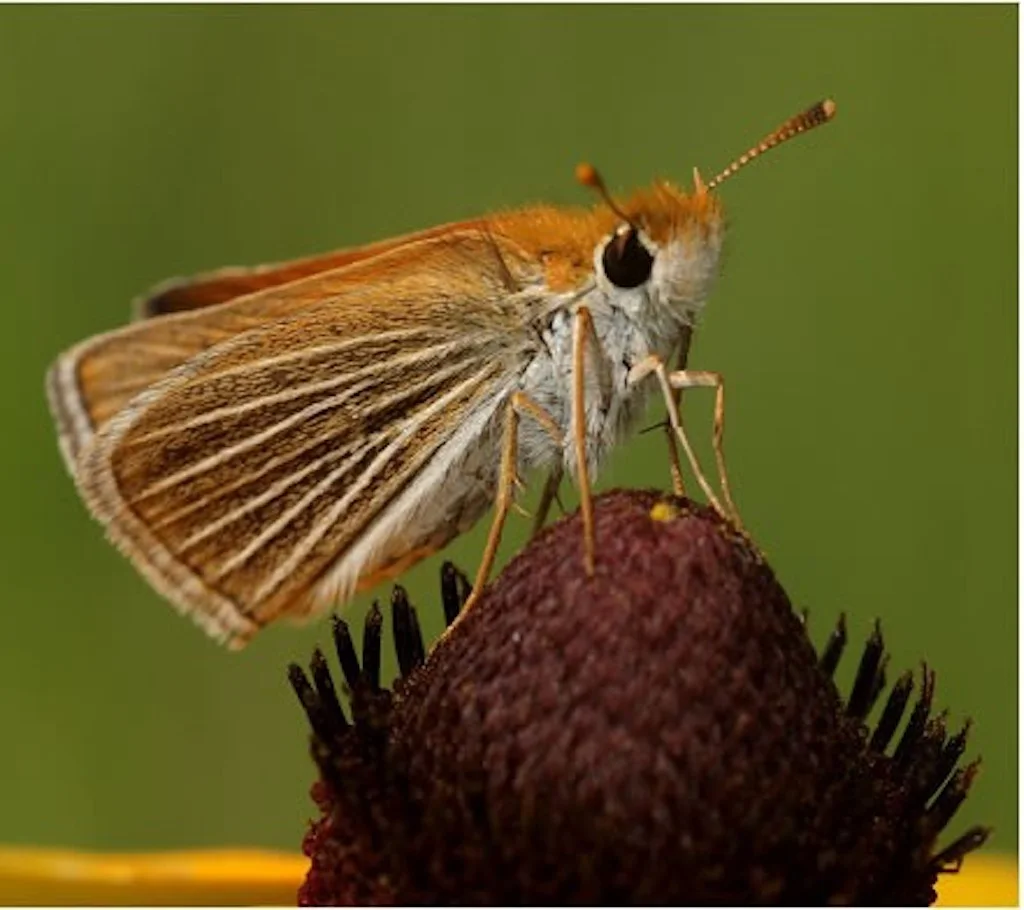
(241, 478)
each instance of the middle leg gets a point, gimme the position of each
(508, 479)
(583, 333)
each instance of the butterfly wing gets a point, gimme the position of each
(222, 285)
(94, 380)
(290, 464)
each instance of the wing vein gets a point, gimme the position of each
(276, 490)
(276, 429)
(302, 548)
(268, 533)
(309, 388)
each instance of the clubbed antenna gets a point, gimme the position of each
(587, 175)
(814, 116)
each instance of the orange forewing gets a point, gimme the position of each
(97, 378)
(542, 231)
(222, 285)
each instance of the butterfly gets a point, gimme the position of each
(265, 442)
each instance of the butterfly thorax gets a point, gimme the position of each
(682, 236)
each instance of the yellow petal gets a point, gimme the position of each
(244, 876)
(985, 880)
(262, 877)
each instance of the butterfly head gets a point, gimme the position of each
(663, 246)
(667, 242)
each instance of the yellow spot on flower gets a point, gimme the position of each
(664, 511)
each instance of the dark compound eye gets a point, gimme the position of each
(626, 260)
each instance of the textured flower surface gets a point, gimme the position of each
(663, 732)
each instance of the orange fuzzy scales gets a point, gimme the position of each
(563, 239)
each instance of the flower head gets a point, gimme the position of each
(660, 732)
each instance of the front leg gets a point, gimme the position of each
(687, 379)
(675, 467)
(706, 379)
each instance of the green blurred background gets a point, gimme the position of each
(866, 321)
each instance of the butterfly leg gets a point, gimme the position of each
(675, 465)
(518, 406)
(654, 364)
(704, 379)
(582, 333)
